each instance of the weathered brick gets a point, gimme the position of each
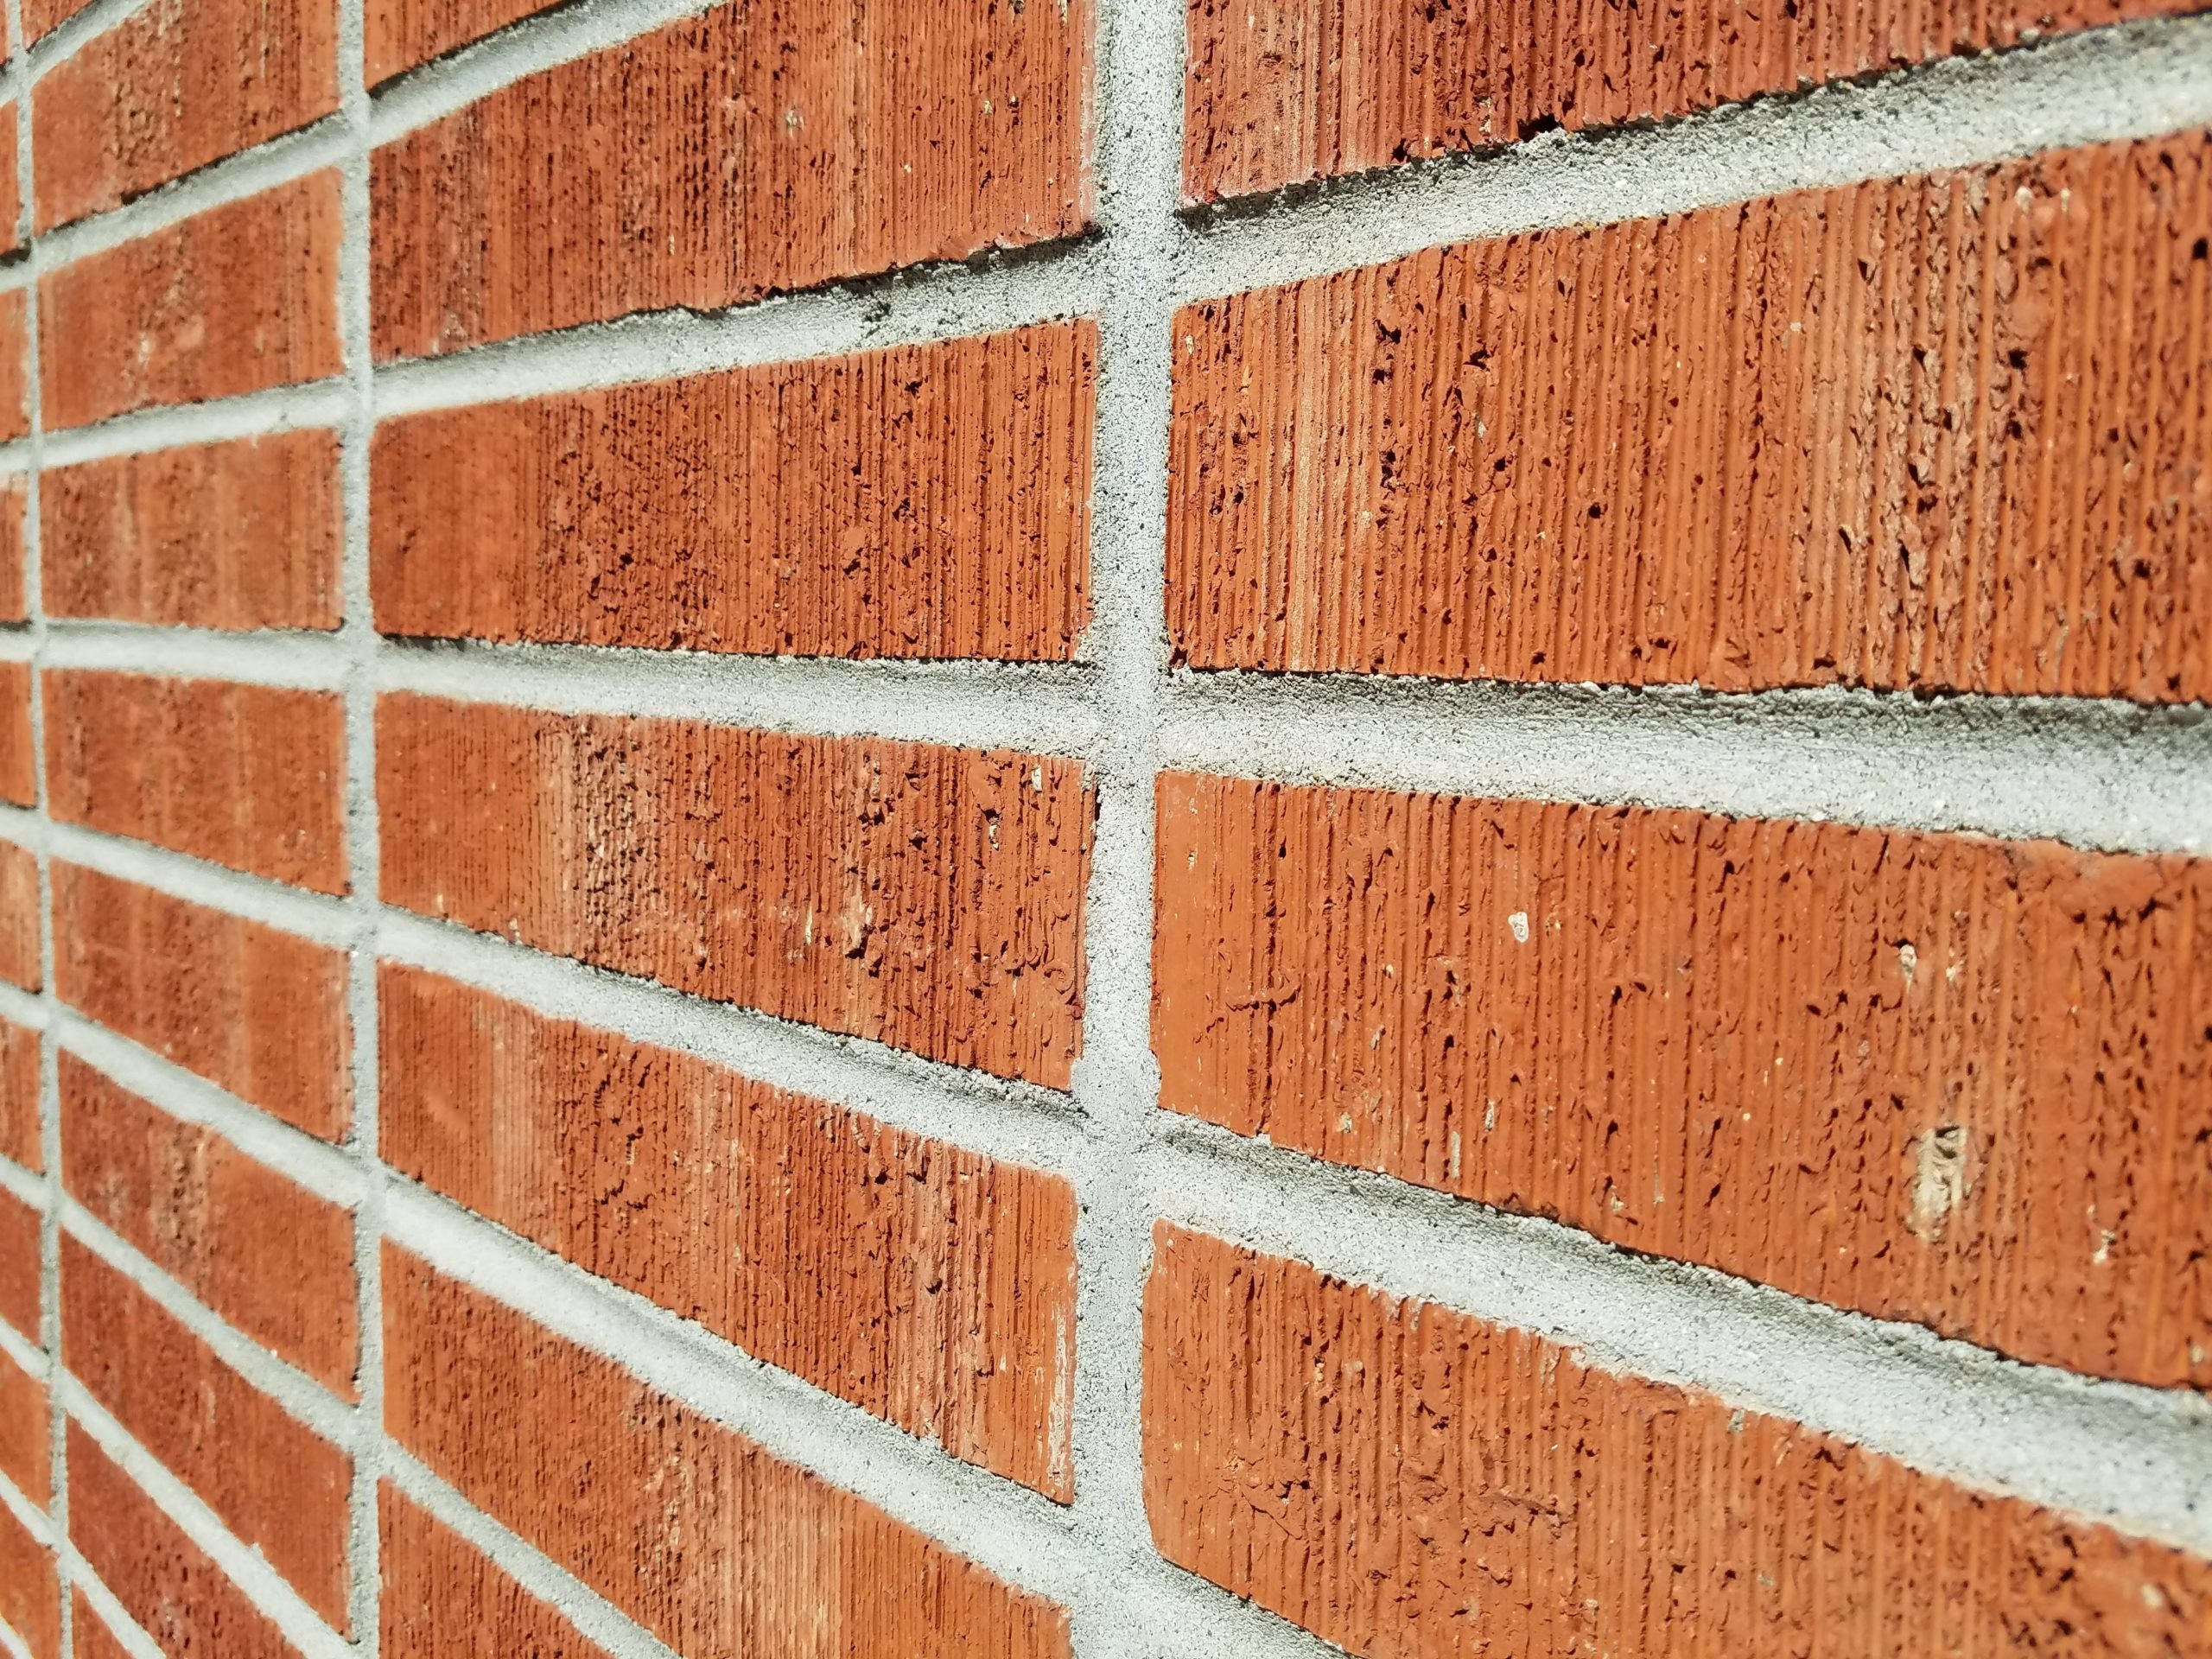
(929, 1285)
(18, 753)
(239, 535)
(926, 896)
(238, 299)
(1943, 433)
(926, 501)
(25, 1453)
(14, 499)
(1932, 1077)
(19, 918)
(400, 35)
(700, 1535)
(42, 17)
(89, 1636)
(15, 363)
(444, 1599)
(30, 1594)
(11, 195)
(268, 1256)
(173, 87)
(1406, 1480)
(163, 1580)
(253, 776)
(1277, 94)
(19, 1269)
(273, 1482)
(753, 149)
(19, 1104)
(260, 1012)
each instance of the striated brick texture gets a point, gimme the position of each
(927, 501)
(170, 89)
(402, 35)
(1407, 1481)
(249, 776)
(754, 149)
(14, 505)
(928, 1285)
(707, 1541)
(259, 1012)
(42, 17)
(19, 918)
(237, 299)
(269, 1257)
(1948, 433)
(15, 364)
(922, 896)
(444, 1599)
(11, 195)
(19, 1104)
(18, 753)
(19, 1265)
(239, 535)
(30, 1597)
(1933, 1078)
(24, 1452)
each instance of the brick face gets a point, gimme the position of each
(89, 1635)
(272, 1481)
(18, 754)
(25, 1455)
(1948, 433)
(1405, 1480)
(42, 17)
(253, 776)
(444, 1599)
(922, 896)
(575, 1455)
(751, 149)
(239, 535)
(14, 499)
(19, 918)
(259, 1012)
(15, 364)
(19, 1105)
(238, 299)
(270, 1258)
(1932, 1077)
(19, 1291)
(30, 1598)
(404, 33)
(928, 1285)
(927, 501)
(170, 89)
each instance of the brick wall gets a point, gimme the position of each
(1105, 827)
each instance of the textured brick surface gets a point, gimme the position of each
(444, 1599)
(19, 916)
(272, 1481)
(19, 1292)
(11, 195)
(928, 501)
(241, 297)
(14, 505)
(756, 148)
(401, 34)
(1934, 1077)
(89, 1636)
(237, 535)
(1408, 1481)
(261, 1013)
(15, 364)
(173, 87)
(1277, 94)
(922, 896)
(249, 776)
(18, 753)
(42, 17)
(270, 1258)
(1948, 433)
(30, 1598)
(929, 1285)
(19, 1106)
(25, 1454)
(162, 1580)
(703, 1538)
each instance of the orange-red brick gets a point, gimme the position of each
(19, 1265)
(1933, 1078)
(444, 1599)
(238, 299)
(42, 17)
(272, 1259)
(706, 1539)
(400, 34)
(18, 753)
(929, 1285)
(756, 148)
(272, 1481)
(89, 1636)
(19, 918)
(14, 499)
(30, 1594)
(15, 363)
(1950, 432)
(239, 535)
(258, 1012)
(25, 1453)
(1276, 94)
(172, 88)
(1406, 1480)
(249, 776)
(930, 500)
(926, 896)
(11, 195)
(19, 1103)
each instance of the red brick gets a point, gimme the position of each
(11, 195)
(1944, 433)
(1932, 1077)
(15, 363)
(238, 299)
(170, 89)
(1277, 94)
(268, 1256)
(14, 496)
(18, 753)
(19, 1269)
(927, 501)
(239, 535)
(260, 1012)
(89, 1636)
(42, 17)
(30, 1594)
(753, 149)
(1405, 1480)
(925, 897)
(928, 1285)
(697, 1533)
(253, 776)
(444, 1599)
(25, 1453)
(163, 1580)
(404, 33)
(19, 1103)
(275, 1483)
(19, 918)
